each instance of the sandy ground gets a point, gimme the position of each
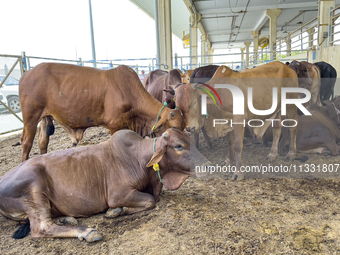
(294, 213)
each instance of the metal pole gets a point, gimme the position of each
(176, 60)
(24, 65)
(92, 37)
(157, 34)
(190, 46)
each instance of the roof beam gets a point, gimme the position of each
(304, 5)
(262, 20)
(263, 31)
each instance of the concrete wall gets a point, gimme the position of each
(331, 55)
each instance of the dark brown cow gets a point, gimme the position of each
(309, 78)
(117, 175)
(79, 97)
(262, 79)
(158, 83)
(203, 74)
(317, 132)
(328, 79)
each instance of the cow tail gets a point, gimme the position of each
(22, 231)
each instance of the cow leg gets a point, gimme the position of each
(27, 138)
(238, 147)
(292, 148)
(206, 137)
(292, 114)
(36, 206)
(43, 138)
(46, 229)
(275, 145)
(231, 152)
(195, 138)
(132, 202)
(319, 150)
(38, 209)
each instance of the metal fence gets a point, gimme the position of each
(10, 66)
(335, 27)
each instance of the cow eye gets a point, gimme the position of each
(179, 147)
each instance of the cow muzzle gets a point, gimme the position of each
(204, 170)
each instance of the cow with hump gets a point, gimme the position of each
(159, 84)
(79, 97)
(262, 80)
(115, 176)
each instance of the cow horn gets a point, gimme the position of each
(172, 114)
(297, 63)
(165, 135)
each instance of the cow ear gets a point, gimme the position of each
(156, 157)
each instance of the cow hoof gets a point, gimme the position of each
(270, 158)
(113, 212)
(238, 176)
(92, 236)
(289, 158)
(229, 161)
(327, 151)
(68, 220)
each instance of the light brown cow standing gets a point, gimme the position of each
(262, 79)
(79, 97)
(84, 181)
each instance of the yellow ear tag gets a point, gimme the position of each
(156, 167)
(153, 128)
(174, 99)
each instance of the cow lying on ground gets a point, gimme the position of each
(80, 182)
(79, 97)
(317, 132)
(309, 78)
(158, 84)
(328, 79)
(262, 79)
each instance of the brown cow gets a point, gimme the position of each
(317, 132)
(79, 97)
(158, 83)
(262, 79)
(117, 175)
(309, 78)
(182, 100)
(186, 76)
